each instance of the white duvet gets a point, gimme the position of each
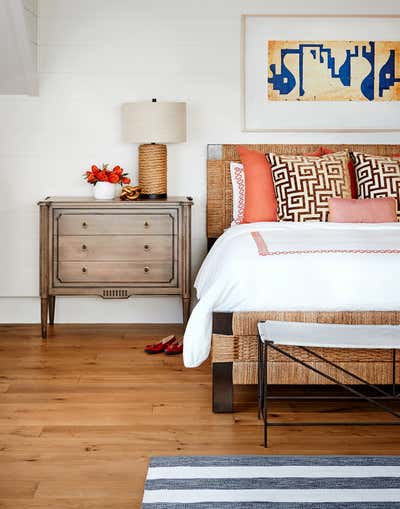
(295, 266)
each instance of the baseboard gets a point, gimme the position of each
(136, 309)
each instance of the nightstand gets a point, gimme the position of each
(114, 249)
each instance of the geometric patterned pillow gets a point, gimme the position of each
(377, 176)
(303, 184)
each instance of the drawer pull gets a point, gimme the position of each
(84, 270)
(84, 224)
(146, 269)
(84, 247)
(146, 224)
(146, 247)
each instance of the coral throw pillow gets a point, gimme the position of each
(260, 200)
(303, 184)
(377, 177)
(369, 210)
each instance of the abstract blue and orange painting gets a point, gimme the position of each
(333, 71)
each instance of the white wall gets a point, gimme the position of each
(93, 56)
(18, 47)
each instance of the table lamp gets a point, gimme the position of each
(153, 124)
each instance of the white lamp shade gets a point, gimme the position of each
(154, 122)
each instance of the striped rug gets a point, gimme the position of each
(279, 482)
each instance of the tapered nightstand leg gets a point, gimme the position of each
(52, 308)
(44, 308)
(185, 310)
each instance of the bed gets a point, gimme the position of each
(229, 323)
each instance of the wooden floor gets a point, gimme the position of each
(81, 413)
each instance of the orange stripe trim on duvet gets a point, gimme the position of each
(264, 251)
(260, 243)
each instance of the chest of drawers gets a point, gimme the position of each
(113, 249)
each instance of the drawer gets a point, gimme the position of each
(120, 272)
(116, 247)
(107, 223)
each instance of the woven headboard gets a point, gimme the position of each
(219, 187)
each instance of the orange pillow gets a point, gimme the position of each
(260, 201)
(368, 210)
(353, 180)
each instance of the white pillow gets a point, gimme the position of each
(238, 186)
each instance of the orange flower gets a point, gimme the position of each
(102, 176)
(91, 178)
(95, 169)
(113, 178)
(118, 170)
(126, 180)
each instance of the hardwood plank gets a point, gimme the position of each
(103, 393)
(4, 387)
(11, 430)
(65, 503)
(18, 488)
(92, 489)
(80, 414)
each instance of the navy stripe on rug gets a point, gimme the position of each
(215, 461)
(262, 483)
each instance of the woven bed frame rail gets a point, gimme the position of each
(219, 187)
(234, 352)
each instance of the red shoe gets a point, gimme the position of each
(174, 348)
(160, 346)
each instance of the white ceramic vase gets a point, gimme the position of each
(104, 191)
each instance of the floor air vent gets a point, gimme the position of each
(115, 293)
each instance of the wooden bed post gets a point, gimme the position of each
(222, 387)
(222, 372)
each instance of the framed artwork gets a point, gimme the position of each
(320, 73)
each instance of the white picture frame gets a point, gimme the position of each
(261, 115)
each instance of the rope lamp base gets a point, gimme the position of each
(153, 170)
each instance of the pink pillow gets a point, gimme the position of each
(369, 210)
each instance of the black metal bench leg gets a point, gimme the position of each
(265, 392)
(259, 378)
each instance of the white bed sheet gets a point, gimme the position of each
(365, 275)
